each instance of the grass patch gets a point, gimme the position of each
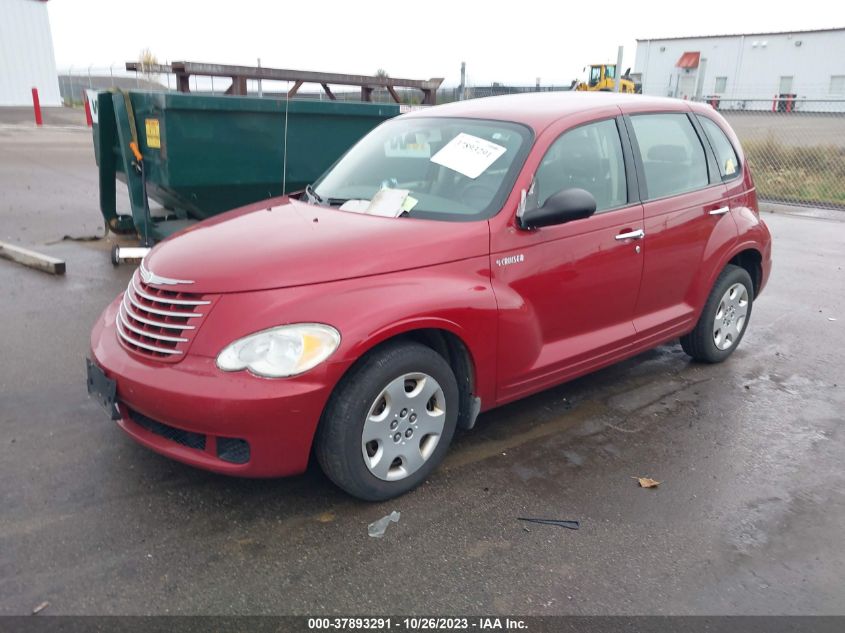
(807, 175)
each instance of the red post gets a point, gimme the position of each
(88, 120)
(775, 104)
(36, 105)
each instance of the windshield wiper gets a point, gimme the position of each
(313, 196)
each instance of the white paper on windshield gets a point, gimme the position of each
(388, 203)
(468, 155)
(356, 206)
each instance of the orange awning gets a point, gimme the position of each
(689, 59)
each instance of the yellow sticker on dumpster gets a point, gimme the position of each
(153, 134)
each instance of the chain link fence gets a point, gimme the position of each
(795, 147)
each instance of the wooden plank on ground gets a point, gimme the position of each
(39, 261)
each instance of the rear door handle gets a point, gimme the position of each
(720, 211)
(631, 235)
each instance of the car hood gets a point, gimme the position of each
(282, 242)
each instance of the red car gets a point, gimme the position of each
(455, 259)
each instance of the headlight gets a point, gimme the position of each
(287, 350)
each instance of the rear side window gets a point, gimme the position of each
(671, 152)
(588, 157)
(725, 153)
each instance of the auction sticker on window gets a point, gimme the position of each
(468, 155)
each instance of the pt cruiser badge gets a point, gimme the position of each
(151, 278)
(510, 259)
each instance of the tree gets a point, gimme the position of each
(148, 61)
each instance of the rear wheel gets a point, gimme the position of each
(389, 423)
(724, 319)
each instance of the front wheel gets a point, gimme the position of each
(389, 422)
(724, 319)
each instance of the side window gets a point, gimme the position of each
(671, 152)
(725, 153)
(588, 157)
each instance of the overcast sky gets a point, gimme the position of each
(509, 42)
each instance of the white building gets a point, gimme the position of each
(745, 67)
(26, 54)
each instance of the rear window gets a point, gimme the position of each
(725, 153)
(672, 155)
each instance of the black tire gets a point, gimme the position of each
(700, 343)
(115, 260)
(338, 442)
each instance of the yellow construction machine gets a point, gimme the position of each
(602, 78)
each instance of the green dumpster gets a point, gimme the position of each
(200, 155)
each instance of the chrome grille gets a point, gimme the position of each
(159, 323)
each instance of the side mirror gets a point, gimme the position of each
(564, 206)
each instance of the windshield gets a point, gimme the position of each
(434, 168)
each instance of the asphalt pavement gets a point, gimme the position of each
(747, 520)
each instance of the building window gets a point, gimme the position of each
(837, 85)
(721, 85)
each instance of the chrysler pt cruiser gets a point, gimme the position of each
(455, 259)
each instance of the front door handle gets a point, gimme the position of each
(720, 211)
(631, 235)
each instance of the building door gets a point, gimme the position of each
(785, 85)
(686, 85)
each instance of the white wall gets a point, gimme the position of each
(26, 54)
(752, 71)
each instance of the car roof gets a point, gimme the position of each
(540, 109)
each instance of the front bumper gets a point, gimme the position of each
(192, 412)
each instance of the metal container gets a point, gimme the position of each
(200, 155)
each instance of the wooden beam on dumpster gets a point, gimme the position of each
(152, 69)
(32, 259)
(329, 92)
(292, 92)
(393, 94)
(238, 87)
(183, 82)
(306, 76)
(366, 82)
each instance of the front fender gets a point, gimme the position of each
(456, 297)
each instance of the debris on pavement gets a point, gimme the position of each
(32, 259)
(376, 529)
(831, 318)
(647, 482)
(75, 238)
(570, 525)
(40, 608)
